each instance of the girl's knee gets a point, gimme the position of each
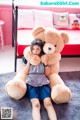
(47, 102)
(36, 104)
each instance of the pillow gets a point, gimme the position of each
(61, 20)
(25, 18)
(74, 20)
(43, 18)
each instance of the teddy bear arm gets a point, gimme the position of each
(27, 53)
(56, 58)
(47, 71)
(44, 59)
(54, 68)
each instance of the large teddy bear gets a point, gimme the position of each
(54, 43)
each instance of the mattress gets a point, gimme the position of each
(73, 47)
(24, 38)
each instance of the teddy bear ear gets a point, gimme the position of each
(37, 30)
(65, 37)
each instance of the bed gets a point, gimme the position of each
(23, 37)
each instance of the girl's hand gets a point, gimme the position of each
(26, 69)
(28, 62)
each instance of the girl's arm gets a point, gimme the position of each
(26, 69)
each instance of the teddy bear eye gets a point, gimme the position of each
(55, 45)
(49, 48)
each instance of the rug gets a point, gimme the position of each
(22, 108)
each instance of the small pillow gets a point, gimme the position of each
(74, 21)
(43, 18)
(61, 20)
(25, 18)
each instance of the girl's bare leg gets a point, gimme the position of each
(50, 110)
(35, 109)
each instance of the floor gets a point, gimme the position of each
(7, 62)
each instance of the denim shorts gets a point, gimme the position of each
(40, 92)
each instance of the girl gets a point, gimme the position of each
(38, 85)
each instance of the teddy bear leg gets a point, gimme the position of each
(61, 94)
(15, 89)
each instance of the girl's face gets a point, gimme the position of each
(36, 50)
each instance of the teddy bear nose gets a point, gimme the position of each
(49, 48)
